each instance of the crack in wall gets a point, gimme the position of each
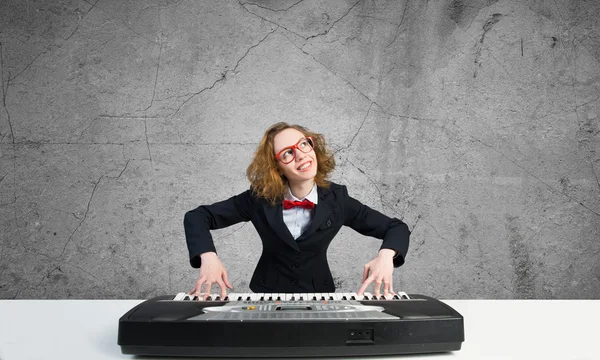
(107, 116)
(86, 128)
(594, 173)
(335, 22)
(585, 141)
(357, 131)
(46, 276)
(67, 212)
(4, 93)
(224, 73)
(53, 46)
(79, 21)
(147, 142)
(82, 220)
(397, 32)
(337, 75)
(416, 223)
(266, 8)
(501, 154)
(527, 171)
(381, 197)
(156, 75)
(491, 21)
(124, 168)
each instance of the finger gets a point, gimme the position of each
(364, 286)
(386, 288)
(207, 289)
(377, 287)
(226, 279)
(198, 288)
(365, 273)
(223, 288)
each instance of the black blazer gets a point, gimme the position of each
(287, 265)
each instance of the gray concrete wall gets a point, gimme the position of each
(476, 122)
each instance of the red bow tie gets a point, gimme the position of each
(306, 204)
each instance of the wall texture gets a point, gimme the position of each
(476, 122)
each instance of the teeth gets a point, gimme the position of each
(304, 166)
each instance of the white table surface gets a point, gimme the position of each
(494, 329)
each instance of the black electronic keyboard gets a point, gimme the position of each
(290, 325)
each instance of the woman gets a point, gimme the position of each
(297, 212)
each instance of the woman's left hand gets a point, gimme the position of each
(379, 270)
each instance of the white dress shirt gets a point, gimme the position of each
(298, 219)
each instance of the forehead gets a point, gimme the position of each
(285, 138)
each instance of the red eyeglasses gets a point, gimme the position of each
(288, 154)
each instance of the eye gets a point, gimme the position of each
(303, 144)
(287, 154)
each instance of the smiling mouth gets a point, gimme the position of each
(305, 166)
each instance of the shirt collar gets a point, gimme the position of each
(313, 195)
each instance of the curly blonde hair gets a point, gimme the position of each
(267, 180)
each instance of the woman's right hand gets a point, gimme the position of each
(212, 271)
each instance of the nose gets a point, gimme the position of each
(299, 155)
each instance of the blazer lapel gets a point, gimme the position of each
(275, 218)
(322, 211)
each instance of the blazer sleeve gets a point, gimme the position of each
(198, 223)
(370, 222)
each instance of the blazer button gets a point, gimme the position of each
(326, 282)
(294, 266)
(294, 282)
(328, 223)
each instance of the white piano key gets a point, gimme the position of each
(179, 296)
